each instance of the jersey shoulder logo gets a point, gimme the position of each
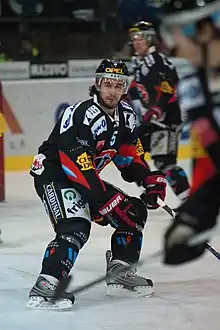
(126, 105)
(67, 119)
(90, 114)
(130, 120)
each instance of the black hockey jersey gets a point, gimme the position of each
(156, 76)
(84, 140)
(199, 98)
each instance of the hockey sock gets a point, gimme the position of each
(59, 258)
(126, 245)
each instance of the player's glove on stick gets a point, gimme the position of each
(153, 113)
(125, 212)
(186, 237)
(155, 185)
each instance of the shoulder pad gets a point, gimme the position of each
(126, 105)
(91, 112)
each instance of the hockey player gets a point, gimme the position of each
(153, 96)
(87, 137)
(191, 27)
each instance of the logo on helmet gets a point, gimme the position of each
(114, 70)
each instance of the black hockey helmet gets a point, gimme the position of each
(186, 14)
(144, 29)
(112, 69)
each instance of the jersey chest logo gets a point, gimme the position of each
(104, 159)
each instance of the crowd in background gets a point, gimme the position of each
(44, 30)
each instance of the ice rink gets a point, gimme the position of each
(186, 298)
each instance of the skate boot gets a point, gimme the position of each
(123, 282)
(42, 292)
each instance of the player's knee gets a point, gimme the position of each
(164, 163)
(76, 232)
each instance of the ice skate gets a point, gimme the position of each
(42, 292)
(127, 283)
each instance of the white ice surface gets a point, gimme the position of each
(186, 298)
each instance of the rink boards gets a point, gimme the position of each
(30, 110)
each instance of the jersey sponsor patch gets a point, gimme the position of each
(159, 143)
(84, 143)
(165, 87)
(99, 126)
(90, 114)
(67, 119)
(130, 120)
(139, 146)
(85, 162)
(37, 166)
(104, 158)
(75, 205)
(53, 202)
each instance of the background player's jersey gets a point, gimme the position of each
(155, 80)
(203, 110)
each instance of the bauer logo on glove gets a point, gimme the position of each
(155, 185)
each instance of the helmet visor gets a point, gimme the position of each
(112, 76)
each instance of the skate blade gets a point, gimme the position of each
(41, 304)
(117, 290)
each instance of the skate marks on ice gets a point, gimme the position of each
(183, 300)
(186, 298)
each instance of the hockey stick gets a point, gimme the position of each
(63, 284)
(164, 126)
(168, 209)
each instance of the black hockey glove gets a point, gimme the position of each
(186, 237)
(124, 212)
(155, 185)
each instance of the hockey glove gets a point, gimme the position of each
(155, 185)
(122, 211)
(153, 113)
(186, 237)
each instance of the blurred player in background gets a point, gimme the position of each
(191, 27)
(152, 94)
(87, 137)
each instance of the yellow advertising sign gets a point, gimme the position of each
(3, 125)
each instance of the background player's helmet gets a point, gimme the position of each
(112, 69)
(186, 14)
(144, 29)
